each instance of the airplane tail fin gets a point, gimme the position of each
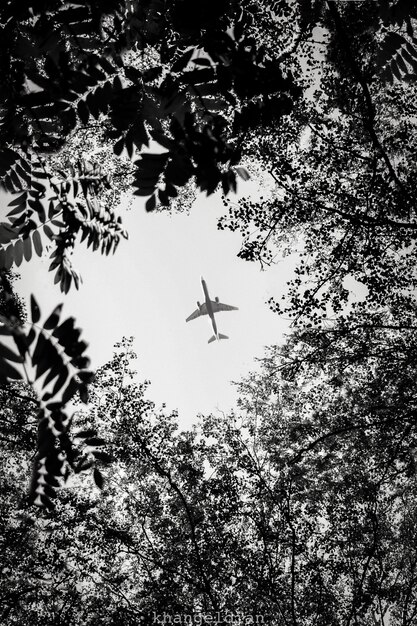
(220, 337)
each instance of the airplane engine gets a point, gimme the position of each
(217, 299)
(198, 304)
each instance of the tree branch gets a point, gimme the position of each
(369, 122)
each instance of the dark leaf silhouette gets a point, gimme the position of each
(98, 478)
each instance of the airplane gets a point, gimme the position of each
(210, 307)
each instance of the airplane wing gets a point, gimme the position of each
(218, 306)
(197, 313)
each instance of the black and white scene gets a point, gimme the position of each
(208, 312)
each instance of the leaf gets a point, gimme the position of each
(133, 74)
(83, 434)
(48, 231)
(66, 281)
(83, 391)
(9, 256)
(27, 165)
(55, 365)
(51, 480)
(19, 201)
(77, 349)
(197, 76)
(202, 61)
(31, 336)
(95, 441)
(70, 391)
(60, 381)
(163, 197)
(58, 223)
(47, 359)
(39, 187)
(98, 478)
(152, 73)
(243, 173)
(162, 139)
(238, 30)
(83, 111)
(171, 191)
(410, 59)
(86, 377)
(119, 146)
(36, 99)
(37, 206)
(151, 203)
(40, 174)
(102, 456)
(21, 341)
(401, 64)
(65, 332)
(395, 69)
(16, 211)
(10, 355)
(7, 233)
(182, 62)
(27, 248)
(7, 370)
(52, 209)
(106, 65)
(139, 134)
(54, 406)
(92, 102)
(37, 242)
(145, 191)
(15, 179)
(53, 319)
(18, 252)
(117, 84)
(39, 349)
(411, 49)
(35, 311)
(21, 221)
(84, 465)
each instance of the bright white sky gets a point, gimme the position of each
(152, 284)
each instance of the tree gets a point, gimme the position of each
(77, 63)
(295, 508)
(339, 405)
(343, 178)
(201, 92)
(54, 349)
(300, 506)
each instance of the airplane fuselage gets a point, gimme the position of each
(210, 311)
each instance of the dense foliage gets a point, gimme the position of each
(299, 506)
(136, 73)
(342, 192)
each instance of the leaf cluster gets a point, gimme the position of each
(300, 506)
(56, 355)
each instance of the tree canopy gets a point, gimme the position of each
(299, 505)
(294, 508)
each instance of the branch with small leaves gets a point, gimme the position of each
(73, 209)
(55, 365)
